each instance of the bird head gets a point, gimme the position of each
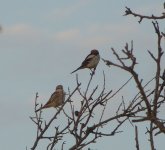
(59, 87)
(94, 52)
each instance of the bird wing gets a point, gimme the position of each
(55, 96)
(85, 63)
(54, 100)
(87, 60)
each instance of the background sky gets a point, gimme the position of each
(43, 41)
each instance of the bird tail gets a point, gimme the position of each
(76, 69)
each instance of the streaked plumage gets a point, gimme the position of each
(91, 61)
(56, 99)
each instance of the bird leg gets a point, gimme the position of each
(93, 71)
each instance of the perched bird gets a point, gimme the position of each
(56, 99)
(90, 61)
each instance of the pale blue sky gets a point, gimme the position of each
(43, 41)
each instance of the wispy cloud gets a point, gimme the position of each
(20, 29)
(96, 35)
(93, 35)
(67, 35)
(22, 35)
(67, 11)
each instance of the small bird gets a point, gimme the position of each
(56, 99)
(91, 61)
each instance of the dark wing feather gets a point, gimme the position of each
(51, 99)
(54, 96)
(84, 63)
(87, 60)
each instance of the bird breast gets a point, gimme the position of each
(94, 61)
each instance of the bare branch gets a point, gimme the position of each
(128, 11)
(136, 138)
